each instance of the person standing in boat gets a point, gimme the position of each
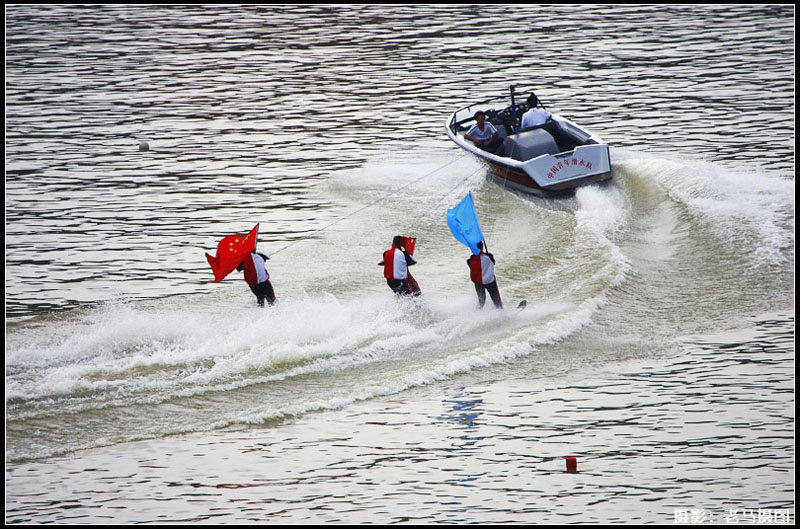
(395, 263)
(256, 275)
(484, 135)
(481, 272)
(534, 116)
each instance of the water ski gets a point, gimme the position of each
(522, 304)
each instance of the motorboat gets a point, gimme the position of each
(548, 159)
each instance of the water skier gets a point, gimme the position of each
(256, 275)
(395, 265)
(481, 272)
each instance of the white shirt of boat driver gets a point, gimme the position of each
(534, 117)
(485, 134)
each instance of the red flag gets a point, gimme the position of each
(230, 252)
(408, 244)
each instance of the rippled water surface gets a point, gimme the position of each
(658, 342)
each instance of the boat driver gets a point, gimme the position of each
(534, 117)
(484, 135)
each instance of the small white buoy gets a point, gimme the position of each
(144, 146)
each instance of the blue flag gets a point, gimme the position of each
(463, 223)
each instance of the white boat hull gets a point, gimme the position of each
(588, 162)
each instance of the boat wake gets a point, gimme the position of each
(610, 263)
(746, 207)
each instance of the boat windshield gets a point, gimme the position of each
(463, 116)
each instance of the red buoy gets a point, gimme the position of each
(572, 465)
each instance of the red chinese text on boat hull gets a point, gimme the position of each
(519, 179)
